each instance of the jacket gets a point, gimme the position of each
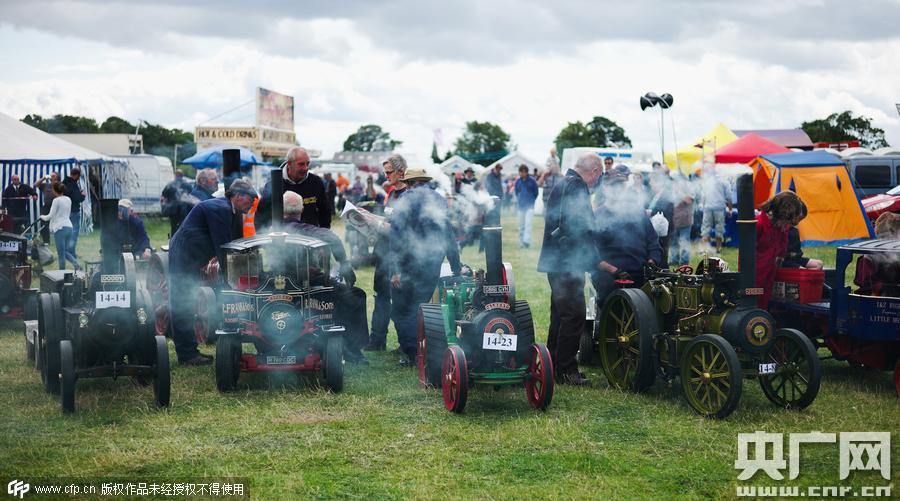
(208, 226)
(627, 243)
(771, 244)
(15, 199)
(73, 191)
(572, 248)
(421, 235)
(526, 192)
(324, 234)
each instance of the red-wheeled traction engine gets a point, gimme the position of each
(279, 297)
(475, 331)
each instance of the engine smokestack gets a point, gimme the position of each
(231, 166)
(492, 234)
(277, 199)
(747, 238)
(110, 245)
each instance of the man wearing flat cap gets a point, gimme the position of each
(420, 237)
(132, 232)
(208, 226)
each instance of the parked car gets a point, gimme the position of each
(874, 175)
(879, 204)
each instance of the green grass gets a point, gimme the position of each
(385, 437)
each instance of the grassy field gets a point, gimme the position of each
(385, 437)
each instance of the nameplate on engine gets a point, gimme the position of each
(753, 291)
(112, 299)
(496, 289)
(496, 306)
(9, 246)
(112, 279)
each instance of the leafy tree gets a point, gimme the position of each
(370, 138)
(483, 143)
(600, 132)
(116, 125)
(843, 126)
(63, 124)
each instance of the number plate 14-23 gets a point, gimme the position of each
(495, 341)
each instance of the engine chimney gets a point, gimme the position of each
(231, 166)
(277, 199)
(492, 233)
(747, 239)
(110, 243)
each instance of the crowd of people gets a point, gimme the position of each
(600, 220)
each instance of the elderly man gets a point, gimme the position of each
(298, 179)
(394, 168)
(45, 184)
(420, 237)
(131, 230)
(568, 252)
(17, 199)
(350, 301)
(209, 225)
(207, 184)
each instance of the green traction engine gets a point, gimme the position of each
(704, 327)
(476, 332)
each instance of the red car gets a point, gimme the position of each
(879, 204)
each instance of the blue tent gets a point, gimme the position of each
(212, 157)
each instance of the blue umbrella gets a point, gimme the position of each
(212, 157)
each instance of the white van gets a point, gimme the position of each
(638, 161)
(149, 174)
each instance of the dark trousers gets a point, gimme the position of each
(45, 225)
(567, 312)
(381, 315)
(182, 298)
(350, 309)
(413, 290)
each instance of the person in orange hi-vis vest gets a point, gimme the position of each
(249, 220)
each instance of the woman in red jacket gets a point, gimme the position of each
(777, 214)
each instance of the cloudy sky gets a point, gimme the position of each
(413, 66)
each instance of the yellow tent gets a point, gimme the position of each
(835, 214)
(685, 158)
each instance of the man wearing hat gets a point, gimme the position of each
(469, 177)
(131, 230)
(420, 237)
(208, 226)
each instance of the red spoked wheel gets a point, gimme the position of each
(158, 286)
(539, 378)
(455, 386)
(685, 270)
(205, 320)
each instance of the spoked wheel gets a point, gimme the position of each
(49, 335)
(627, 325)
(205, 315)
(67, 368)
(798, 372)
(711, 376)
(228, 362)
(539, 378)
(334, 363)
(455, 386)
(158, 285)
(162, 382)
(431, 342)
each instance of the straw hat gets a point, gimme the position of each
(416, 175)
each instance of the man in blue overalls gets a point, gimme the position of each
(208, 226)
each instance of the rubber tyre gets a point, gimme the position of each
(228, 362)
(539, 378)
(50, 337)
(431, 342)
(334, 363)
(205, 316)
(158, 285)
(455, 387)
(67, 368)
(162, 381)
(716, 396)
(525, 332)
(628, 323)
(799, 369)
(586, 345)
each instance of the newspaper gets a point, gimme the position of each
(362, 220)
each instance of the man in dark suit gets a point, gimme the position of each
(17, 199)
